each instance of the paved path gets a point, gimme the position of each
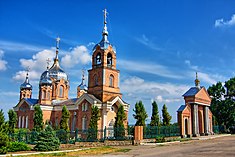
(216, 147)
(212, 146)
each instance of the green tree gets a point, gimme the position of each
(2, 120)
(223, 105)
(140, 114)
(47, 140)
(64, 123)
(38, 119)
(166, 116)
(119, 129)
(155, 120)
(93, 125)
(230, 86)
(12, 120)
(4, 140)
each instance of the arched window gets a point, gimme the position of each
(61, 91)
(48, 95)
(43, 94)
(96, 80)
(19, 122)
(109, 60)
(84, 107)
(22, 122)
(111, 79)
(26, 122)
(98, 59)
(84, 123)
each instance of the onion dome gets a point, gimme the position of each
(104, 43)
(26, 84)
(83, 86)
(45, 78)
(56, 72)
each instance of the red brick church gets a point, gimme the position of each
(102, 91)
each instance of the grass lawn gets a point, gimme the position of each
(91, 151)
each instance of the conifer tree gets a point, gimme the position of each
(140, 114)
(12, 120)
(119, 130)
(38, 119)
(47, 140)
(166, 116)
(93, 125)
(2, 120)
(64, 123)
(155, 120)
(4, 140)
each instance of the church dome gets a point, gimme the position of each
(83, 86)
(26, 84)
(57, 73)
(45, 78)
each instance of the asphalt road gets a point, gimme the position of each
(218, 147)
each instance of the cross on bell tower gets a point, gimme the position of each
(104, 77)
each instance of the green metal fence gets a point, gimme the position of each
(89, 135)
(164, 131)
(218, 129)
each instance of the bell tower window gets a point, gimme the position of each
(109, 60)
(111, 78)
(61, 91)
(98, 59)
(43, 94)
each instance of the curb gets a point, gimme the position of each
(50, 152)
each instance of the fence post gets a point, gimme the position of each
(76, 134)
(104, 133)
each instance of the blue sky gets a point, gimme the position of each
(160, 45)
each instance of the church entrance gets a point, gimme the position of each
(186, 126)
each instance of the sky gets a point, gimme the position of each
(159, 45)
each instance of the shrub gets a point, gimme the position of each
(62, 135)
(47, 140)
(17, 146)
(160, 139)
(4, 140)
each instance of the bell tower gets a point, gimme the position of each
(103, 79)
(26, 88)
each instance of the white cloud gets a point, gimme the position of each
(37, 65)
(15, 46)
(78, 55)
(145, 41)
(222, 22)
(139, 89)
(193, 67)
(151, 68)
(3, 63)
(206, 78)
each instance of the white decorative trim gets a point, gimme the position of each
(104, 76)
(199, 103)
(118, 99)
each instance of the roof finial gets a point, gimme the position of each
(27, 75)
(83, 77)
(57, 42)
(48, 63)
(105, 16)
(105, 30)
(197, 81)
